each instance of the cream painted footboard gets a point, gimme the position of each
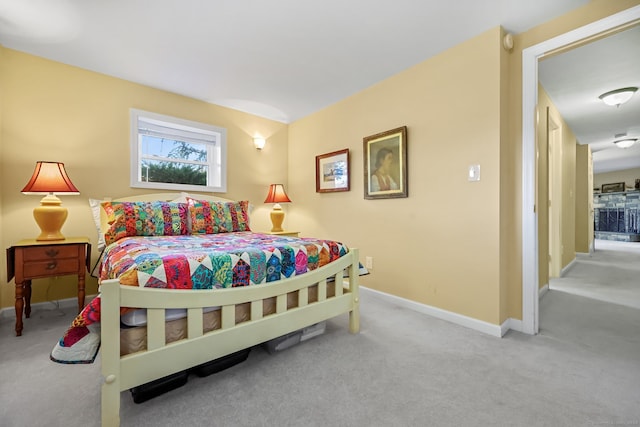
(160, 360)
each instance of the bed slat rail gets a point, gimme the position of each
(303, 297)
(155, 328)
(339, 278)
(228, 317)
(322, 290)
(256, 309)
(194, 323)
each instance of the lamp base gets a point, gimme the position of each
(50, 217)
(277, 217)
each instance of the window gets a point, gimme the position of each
(175, 154)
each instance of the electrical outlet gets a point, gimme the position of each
(368, 261)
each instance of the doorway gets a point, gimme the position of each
(530, 57)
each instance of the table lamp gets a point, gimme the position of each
(50, 178)
(277, 195)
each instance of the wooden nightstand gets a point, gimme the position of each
(31, 259)
(283, 233)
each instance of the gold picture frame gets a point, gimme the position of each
(385, 164)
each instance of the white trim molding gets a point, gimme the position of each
(543, 290)
(566, 269)
(530, 57)
(449, 316)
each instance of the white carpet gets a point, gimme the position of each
(611, 273)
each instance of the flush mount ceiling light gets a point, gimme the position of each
(618, 96)
(625, 143)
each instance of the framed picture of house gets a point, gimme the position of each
(613, 188)
(332, 172)
(385, 164)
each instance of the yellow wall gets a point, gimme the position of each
(52, 111)
(627, 176)
(439, 246)
(452, 244)
(508, 212)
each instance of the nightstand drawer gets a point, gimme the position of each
(39, 253)
(52, 267)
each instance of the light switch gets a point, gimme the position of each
(474, 173)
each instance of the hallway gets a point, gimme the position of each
(595, 306)
(611, 274)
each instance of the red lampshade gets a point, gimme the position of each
(50, 177)
(277, 194)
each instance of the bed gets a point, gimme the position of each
(251, 306)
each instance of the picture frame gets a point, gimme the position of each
(385, 164)
(332, 172)
(613, 187)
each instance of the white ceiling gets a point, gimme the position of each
(282, 59)
(575, 79)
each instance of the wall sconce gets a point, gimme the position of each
(618, 96)
(50, 178)
(259, 143)
(277, 195)
(625, 143)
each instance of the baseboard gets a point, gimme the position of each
(511, 324)
(567, 268)
(10, 312)
(458, 319)
(543, 290)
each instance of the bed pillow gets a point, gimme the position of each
(218, 217)
(182, 198)
(95, 213)
(144, 219)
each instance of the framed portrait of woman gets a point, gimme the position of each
(385, 164)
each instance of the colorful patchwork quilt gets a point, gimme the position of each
(204, 261)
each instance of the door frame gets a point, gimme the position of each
(530, 57)
(554, 192)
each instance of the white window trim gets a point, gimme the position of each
(221, 135)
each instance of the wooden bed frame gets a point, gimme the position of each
(160, 359)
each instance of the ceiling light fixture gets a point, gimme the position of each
(625, 143)
(618, 96)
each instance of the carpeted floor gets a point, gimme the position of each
(611, 273)
(404, 369)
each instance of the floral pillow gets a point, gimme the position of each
(144, 219)
(218, 217)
